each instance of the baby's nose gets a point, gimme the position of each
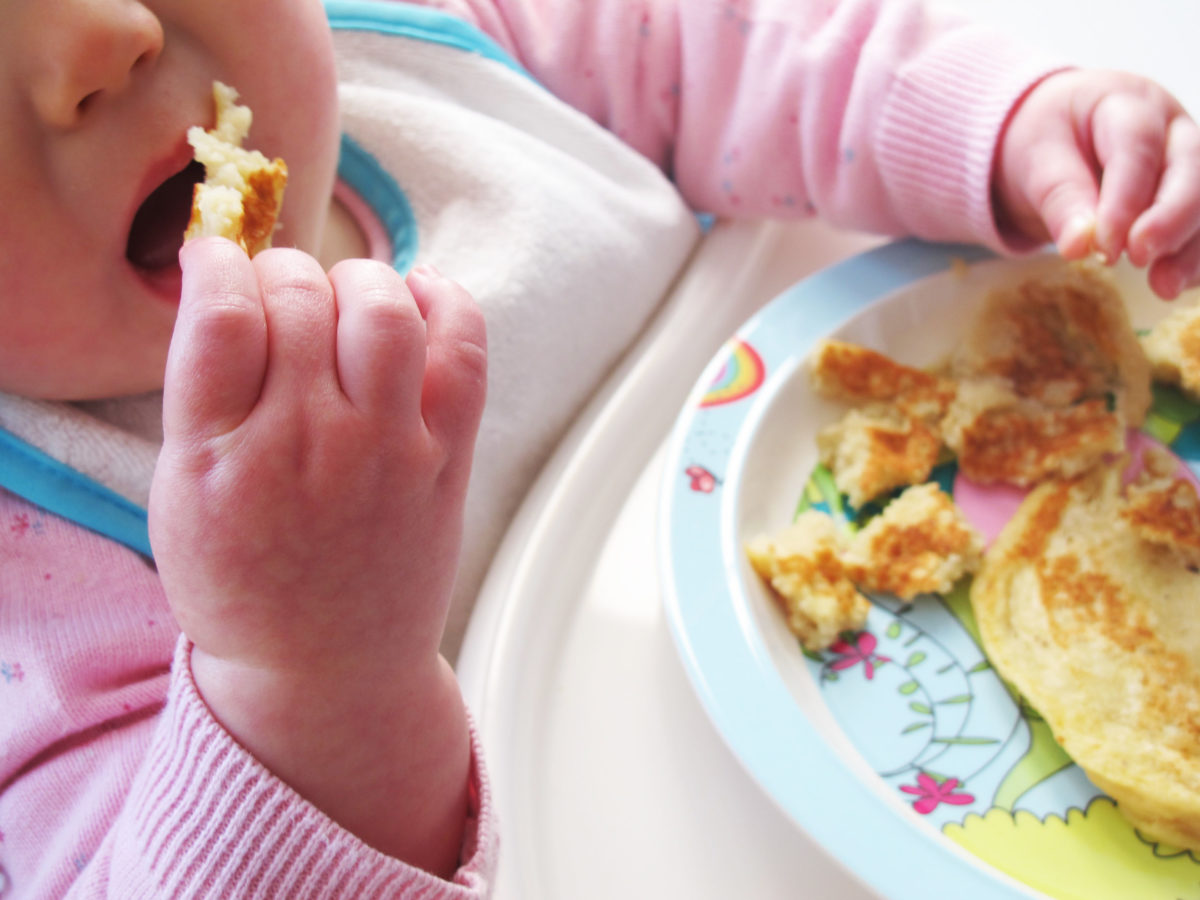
(84, 50)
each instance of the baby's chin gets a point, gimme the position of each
(104, 382)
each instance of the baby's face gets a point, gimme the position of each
(96, 97)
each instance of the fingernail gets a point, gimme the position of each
(186, 251)
(200, 245)
(212, 265)
(426, 270)
(1104, 243)
(1078, 235)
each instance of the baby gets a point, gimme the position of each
(267, 708)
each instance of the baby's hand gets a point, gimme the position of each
(306, 514)
(1106, 162)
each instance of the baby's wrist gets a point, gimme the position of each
(307, 695)
(384, 753)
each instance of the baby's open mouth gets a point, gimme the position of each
(157, 231)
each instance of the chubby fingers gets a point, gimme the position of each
(455, 384)
(250, 334)
(1129, 132)
(1046, 184)
(380, 339)
(1173, 220)
(413, 347)
(301, 316)
(218, 354)
(1063, 190)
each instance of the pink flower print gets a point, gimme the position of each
(930, 794)
(22, 524)
(11, 672)
(702, 480)
(861, 651)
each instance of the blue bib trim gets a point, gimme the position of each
(54, 486)
(419, 22)
(371, 181)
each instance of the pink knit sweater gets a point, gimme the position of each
(877, 115)
(115, 780)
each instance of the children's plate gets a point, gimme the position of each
(898, 749)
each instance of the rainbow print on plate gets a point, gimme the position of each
(741, 375)
(902, 731)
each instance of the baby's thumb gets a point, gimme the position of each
(1077, 237)
(1065, 197)
(218, 355)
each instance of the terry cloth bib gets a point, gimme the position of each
(566, 237)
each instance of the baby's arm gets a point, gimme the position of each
(882, 115)
(305, 517)
(874, 114)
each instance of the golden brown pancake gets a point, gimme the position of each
(1098, 627)
(920, 544)
(242, 192)
(1060, 336)
(803, 567)
(1173, 347)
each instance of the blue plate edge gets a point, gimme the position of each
(896, 861)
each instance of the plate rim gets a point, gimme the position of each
(900, 856)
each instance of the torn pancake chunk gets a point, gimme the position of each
(242, 192)
(920, 544)
(803, 567)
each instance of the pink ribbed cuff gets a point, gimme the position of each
(938, 136)
(216, 823)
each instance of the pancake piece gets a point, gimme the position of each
(1162, 507)
(803, 567)
(1097, 627)
(242, 190)
(1044, 385)
(1050, 376)
(1173, 347)
(877, 448)
(859, 375)
(1060, 336)
(1002, 437)
(920, 544)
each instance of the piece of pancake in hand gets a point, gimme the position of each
(1060, 336)
(242, 192)
(1095, 622)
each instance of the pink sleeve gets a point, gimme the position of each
(115, 779)
(881, 115)
(204, 819)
